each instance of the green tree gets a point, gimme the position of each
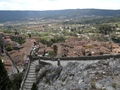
(55, 48)
(116, 25)
(20, 41)
(34, 87)
(5, 82)
(52, 40)
(51, 53)
(17, 79)
(105, 29)
(9, 48)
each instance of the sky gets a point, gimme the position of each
(58, 4)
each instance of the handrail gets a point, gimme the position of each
(26, 73)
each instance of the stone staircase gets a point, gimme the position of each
(31, 77)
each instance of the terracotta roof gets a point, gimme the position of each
(7, 61)
(75, 47)
(18, 55)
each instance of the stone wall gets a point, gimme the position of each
(81, 58)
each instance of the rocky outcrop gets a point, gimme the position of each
(101, 75)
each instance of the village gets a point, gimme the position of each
(67, 49)
(71, 47)
(26, 46)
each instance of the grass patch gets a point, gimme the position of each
(114, 85)
(93, 86)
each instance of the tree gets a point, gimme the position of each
(105, 29)
(17, 79)
(55, 48)
(16, 33)
(51, 53)
(116, 25)
(20, 41)
(34, 87)
(5, 82)
(9, 48)
(29, 35)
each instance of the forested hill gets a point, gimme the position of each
(6, 16)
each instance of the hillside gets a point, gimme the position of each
(97, 75)
(6, 16)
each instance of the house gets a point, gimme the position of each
(17, 55)
(74, 47)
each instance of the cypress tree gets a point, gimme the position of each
(34, 87)
(5, 82)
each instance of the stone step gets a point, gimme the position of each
(27, 81)
(31, 76)
(26, 87)
(28, 84)
(35, 63)
(32, 68)
(32, 71)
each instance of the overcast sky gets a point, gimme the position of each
(58, 4)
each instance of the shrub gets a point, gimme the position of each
(114, 85)
(34, 87)
(51, 53)
(21, 41)
(93, 86)
(17, 79)
(9, 48)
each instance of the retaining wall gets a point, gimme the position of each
(80, 58)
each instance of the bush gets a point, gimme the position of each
(9, 48)
(51, 41)
(34, 87)
(17, 79)
(93, 86)
(51, 53)
(21, 41)
(114, 85)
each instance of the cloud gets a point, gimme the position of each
(57, 4)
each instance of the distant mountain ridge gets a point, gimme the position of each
(6, 16)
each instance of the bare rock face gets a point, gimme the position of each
(101, 75)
